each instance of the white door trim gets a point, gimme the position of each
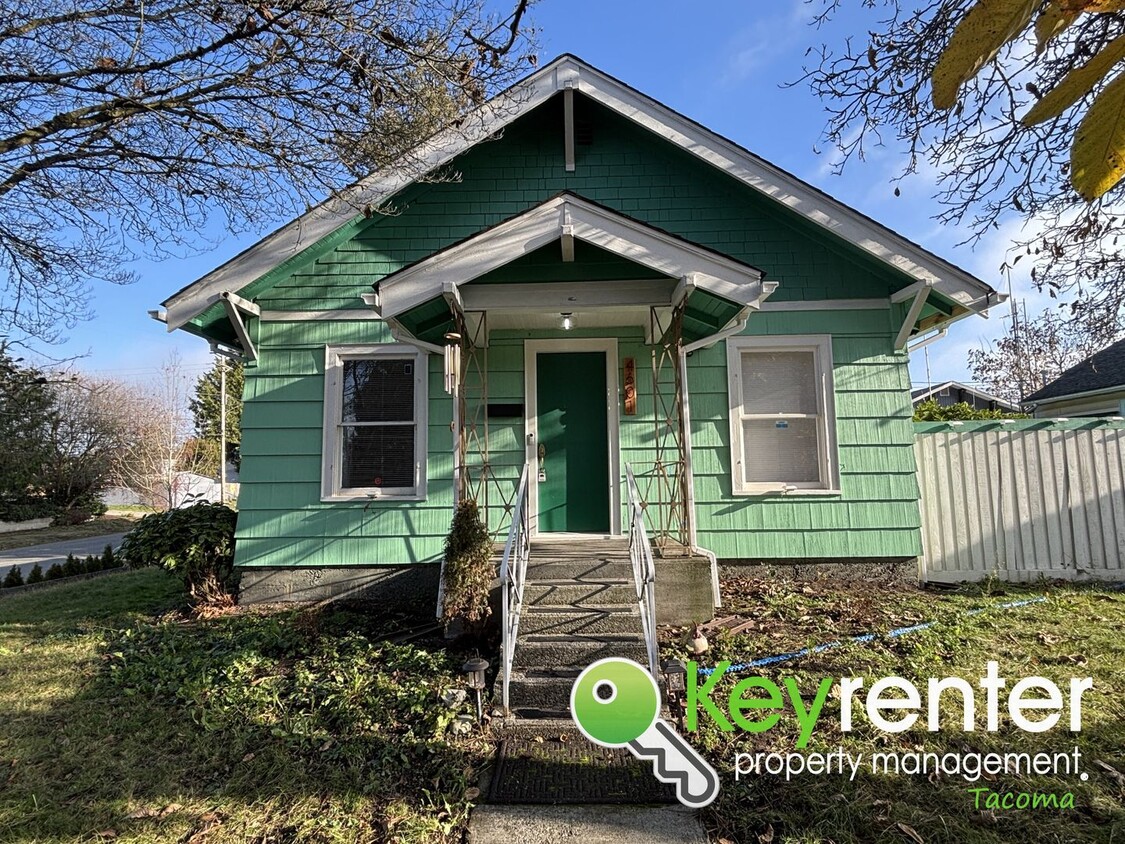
(531, 351)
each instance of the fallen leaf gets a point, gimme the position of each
(766, 836)
(472, 793)
(249, 757)
(107, 833)
(169, 809)
(142, 813)
(910, 833)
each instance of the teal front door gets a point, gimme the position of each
(572, 462)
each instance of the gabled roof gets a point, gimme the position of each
(568, 72)
(923, 393)
(1102, 371)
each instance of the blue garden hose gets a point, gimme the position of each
(864, 638)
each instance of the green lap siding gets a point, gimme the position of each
(282, 520)
(876, 513)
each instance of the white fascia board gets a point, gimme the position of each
(567, 72)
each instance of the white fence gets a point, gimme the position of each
(1023, 500)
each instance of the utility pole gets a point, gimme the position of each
(222, 430)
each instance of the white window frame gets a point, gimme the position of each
(331, 455)
(821, 347)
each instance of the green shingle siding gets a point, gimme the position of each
(282, 520)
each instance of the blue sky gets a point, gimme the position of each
(721, 63)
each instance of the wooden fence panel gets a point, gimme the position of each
(1022, 500)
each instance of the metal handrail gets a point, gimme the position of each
(644, 570)
(513, 573)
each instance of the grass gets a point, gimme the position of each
(120, 719)
(1077, 632)
(60, 533)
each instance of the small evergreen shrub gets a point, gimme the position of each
(195, 543)
(109, 561)
(36, 575)
(469, 569)
(54, 572)
(14, 577)
(91, 564)
(72, 566)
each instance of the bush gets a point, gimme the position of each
(36, 575)
(72, 566)
(195, 543)
(469, 569)
(14, 577)
(25, 510)
(54, 572)
(109, 561)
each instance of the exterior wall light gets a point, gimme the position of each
(675, 685)
(567, 322)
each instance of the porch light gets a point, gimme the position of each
(567, 322)
(474, 674)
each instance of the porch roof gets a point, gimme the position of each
(716, 290)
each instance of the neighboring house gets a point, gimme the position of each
(604, 283)
(1094, 387)
(954, 392)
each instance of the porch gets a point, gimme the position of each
(564, 334)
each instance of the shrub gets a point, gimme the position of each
(72, 566)
(14, 577)
(195, 543)
(91, 564)
(109, 561)
(25, 510)
(468, 570)
(36, 575)
(54, 572)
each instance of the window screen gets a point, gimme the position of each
(377, 424)
(781, 418)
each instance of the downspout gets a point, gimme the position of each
(734, 328)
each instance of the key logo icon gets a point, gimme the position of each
(616, 703)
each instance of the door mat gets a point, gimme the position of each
(537, 769)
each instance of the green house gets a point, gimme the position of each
(577, 280)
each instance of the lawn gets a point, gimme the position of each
(61, 533)
(124, 720)
(1075, 632)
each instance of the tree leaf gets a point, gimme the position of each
(1098, 7)
(1051, 22)
(1076, 84)
(987, 27)
(1097, 158)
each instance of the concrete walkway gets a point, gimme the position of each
(55, 552)
(493, 824)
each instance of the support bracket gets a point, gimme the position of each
(236, 306)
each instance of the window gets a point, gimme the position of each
(374, 423)
(783, 425)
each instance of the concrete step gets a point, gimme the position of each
(583, 569)
(581, 621)
(541, 690)
(571, 593)
(539, 650)
(493, 824)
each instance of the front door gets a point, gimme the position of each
(572, 456)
